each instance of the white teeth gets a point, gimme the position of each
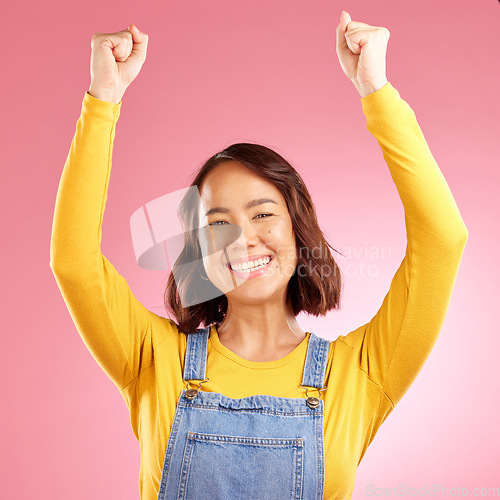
(251, 266)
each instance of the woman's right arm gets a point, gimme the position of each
(114, 325)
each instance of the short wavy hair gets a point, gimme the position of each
(314, 292)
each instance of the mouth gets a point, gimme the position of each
(251, 268)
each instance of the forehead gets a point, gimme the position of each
(233, 185)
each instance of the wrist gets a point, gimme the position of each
(108, 95)
(368, 88)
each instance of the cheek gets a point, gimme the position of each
(282, 240)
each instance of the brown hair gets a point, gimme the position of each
(312, 292)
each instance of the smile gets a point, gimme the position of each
(248, 267)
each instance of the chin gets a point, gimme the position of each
(257, 294)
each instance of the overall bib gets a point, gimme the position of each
(258, 447)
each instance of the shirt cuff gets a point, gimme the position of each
(379, 99)
(100, 108)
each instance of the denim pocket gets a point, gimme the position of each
(230, 467)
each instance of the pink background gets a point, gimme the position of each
(228, 71)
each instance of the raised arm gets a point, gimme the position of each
(114, 325)
(395, 344)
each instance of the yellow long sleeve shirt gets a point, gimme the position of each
(368, 369)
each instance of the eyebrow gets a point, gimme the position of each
(253, 203)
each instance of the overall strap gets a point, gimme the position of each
(316, 361)
(195, 361)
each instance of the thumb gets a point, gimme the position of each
(140, 40)
(345, 19)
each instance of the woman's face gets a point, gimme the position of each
(233, 196)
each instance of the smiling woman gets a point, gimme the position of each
(263, 202)
(248, 405)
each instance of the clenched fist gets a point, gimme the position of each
(115, 61)
(361, 49)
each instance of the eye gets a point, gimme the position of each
(220, 222)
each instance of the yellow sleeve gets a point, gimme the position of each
(114, 325)
(394, 345)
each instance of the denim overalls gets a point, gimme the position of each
(259, 447)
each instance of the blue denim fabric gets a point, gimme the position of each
(258, 447)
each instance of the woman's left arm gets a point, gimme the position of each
(400, 337)
(395, 344)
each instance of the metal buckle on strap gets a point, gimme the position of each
(311, 401)
(191, 393)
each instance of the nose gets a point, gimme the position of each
(249, 236)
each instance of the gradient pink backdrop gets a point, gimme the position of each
(219, 72)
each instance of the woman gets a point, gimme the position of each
(249, 405)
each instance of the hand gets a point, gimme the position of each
(116, 60)
(361, 49)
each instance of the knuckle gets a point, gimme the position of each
(98, 38)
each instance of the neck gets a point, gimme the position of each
(260, 331)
